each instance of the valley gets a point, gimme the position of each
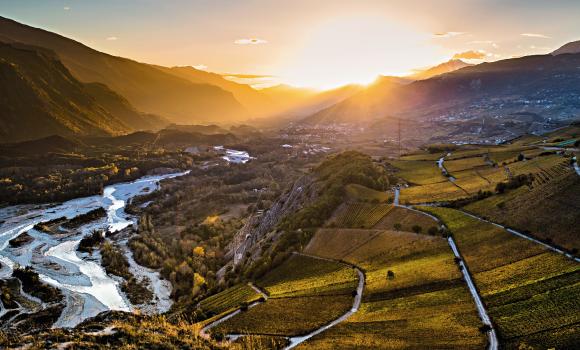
(163, 206)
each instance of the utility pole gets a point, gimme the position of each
(399, 122)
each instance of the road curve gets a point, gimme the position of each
(295, 341)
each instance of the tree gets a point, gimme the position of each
(199, 251)
(432, 231)
(417, 228)
(485, 328)
(397, 226)
(520, 157)
(390, 275)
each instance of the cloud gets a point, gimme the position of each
(66, 8)
(470, 55)
(112, 38)
(448, 34)
(535, 35)
(200, 67)
(250, 41)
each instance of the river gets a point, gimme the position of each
(87, 288)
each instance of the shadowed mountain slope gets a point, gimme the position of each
(146, 87)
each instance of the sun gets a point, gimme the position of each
(357, 49)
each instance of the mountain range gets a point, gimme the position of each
(70, 89)
(542, 84)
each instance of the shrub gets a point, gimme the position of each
(417, 228)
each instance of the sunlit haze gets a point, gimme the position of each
(318, 44)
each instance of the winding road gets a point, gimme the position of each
(295, 341)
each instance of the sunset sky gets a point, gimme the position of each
(320, 44)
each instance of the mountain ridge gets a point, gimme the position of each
(149, 89)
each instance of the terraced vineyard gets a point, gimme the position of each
(301, 275)
(359, 215)
(229, 299)
(288, 316)
(549, 211)
(419, 172)
(407, 220)
(532, 294)
(454, 166)
(546, 175)
(424, 305)
(358, 193)
(437, 192)
(305, 293)
(536, 165)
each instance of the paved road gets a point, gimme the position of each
(204, 331)
(295, 341)
(492, 335)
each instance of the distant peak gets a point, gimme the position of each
(445, 67)
(571, 47)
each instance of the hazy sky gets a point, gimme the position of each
(317, 43)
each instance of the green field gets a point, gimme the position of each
(533, 294)
(359, 215)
